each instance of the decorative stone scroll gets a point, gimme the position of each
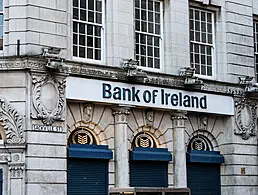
(48, 99)
(12, 123)
(245, 118)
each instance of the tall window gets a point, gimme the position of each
(256, 48)
(201, 41)
(87, 29)
(1, 25)
(148, 20)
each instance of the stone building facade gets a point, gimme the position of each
(99, 96)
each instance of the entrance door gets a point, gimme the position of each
(203, 178)
(87, 176)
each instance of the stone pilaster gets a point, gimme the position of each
(178, 121)
(121, 148)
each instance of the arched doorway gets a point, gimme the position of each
(203, 167)
(87, 166)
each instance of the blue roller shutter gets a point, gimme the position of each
(148, 174)
(87, 176)
(203, 178)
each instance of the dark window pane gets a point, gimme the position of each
(209, 26)
(157, 18)
(192, 35)
(83, 15)
(98, 6)
(75, 51)
(137, 3)
(196, 48)
(209, 71)
(156, 52)
(197, 69)
(150, 62)
(143, 61)
(89, 41)
(150, 16)
(97, 31)
(90, 53)
(97, 54)
(210, 38)
(90, 16)
(209, 17)
(156, 41)
(143, 39)
(143, 4)
(150, 5)
(137, 25)
(208, 51)
(98, 18)
(157, 7)
(82, 52)
(91, 4)
(202, 49)
(197, 25)
(149, 40)
(82, 28)
(197, 36)
(203, 60)
(143, 50)
(203, 70)
(191, 58)
(137, 14)
(191, 24)
(75, 37)
(75, 14)
(82, 40)
(137, 38)
(150, 28)
(83, 4)
(144, 26)
(204, 37)
(89, 30)
(197, 16)
(156, 63)
(137, 48)
(191, 14)
(157, 29)
(75, 27)
(97, 43)
(209, 60)
(203, 27)
(203, 16)
(143, 15)
(149, 51)
(196, 58)
(75, 3)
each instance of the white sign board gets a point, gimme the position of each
(142, 95)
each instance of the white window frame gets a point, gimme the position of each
(161, 38)
(213, 45)
(255, 26)
(103, 50)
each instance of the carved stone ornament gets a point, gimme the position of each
(12, 123)
(120, 114)
(245, 118)
(203, 122)
(149, 117)
(48, 99)
(87, 112)
(16, 170)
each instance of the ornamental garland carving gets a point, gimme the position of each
(245, 118)
(12, 123)
(48, 99)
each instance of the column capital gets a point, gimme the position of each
(120, 114)
(178, 118)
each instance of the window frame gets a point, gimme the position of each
(213, 45)
(102, 61)
(2, 13)
(255, 26)
(161, 42)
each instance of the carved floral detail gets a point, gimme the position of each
(245, 118)
(48, 110)
(12, 123)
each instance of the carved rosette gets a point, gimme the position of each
(178, 119)
(120, 114)
(245, 118)
(12, 123)
(48, 99)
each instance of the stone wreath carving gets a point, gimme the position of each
(245, 118)
(12, 123)
(48, 99)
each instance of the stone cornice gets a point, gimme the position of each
(118, 74)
